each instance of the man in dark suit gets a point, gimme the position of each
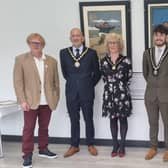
(80, 69)
(155, 71)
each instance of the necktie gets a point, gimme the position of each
(77, 53)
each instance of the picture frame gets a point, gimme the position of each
(97, 19)
(156, 12)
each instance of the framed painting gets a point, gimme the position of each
(100, 18)
(156, 12)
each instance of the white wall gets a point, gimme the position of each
(53, 19)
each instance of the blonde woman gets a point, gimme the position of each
(116, 73)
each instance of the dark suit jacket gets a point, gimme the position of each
(157, 86)
(80, 81)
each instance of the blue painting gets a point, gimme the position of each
(159, 15)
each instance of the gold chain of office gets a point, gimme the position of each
(77, 60)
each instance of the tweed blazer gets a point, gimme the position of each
(157, 85)
(27, 82)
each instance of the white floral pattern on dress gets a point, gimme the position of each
(116, 97)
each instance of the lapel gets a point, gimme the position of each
(153, 55)
(164, 55)
(84, 48)
(166, 51)
(34, 67)
(46, 68)
(71, 49)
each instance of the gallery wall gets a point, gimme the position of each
(54, 19)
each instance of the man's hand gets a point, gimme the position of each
(25, 106)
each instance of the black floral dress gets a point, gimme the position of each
(116, 96)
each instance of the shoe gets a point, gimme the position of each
(71, 151)
(121, 152)
(27, 161)
(114, 154)
(165, 156)
(92, 150)
(47, 154)
(151, 153)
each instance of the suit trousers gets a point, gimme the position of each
(153, 109)
(74, 107)
(43, 113)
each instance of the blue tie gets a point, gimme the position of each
(77, 53)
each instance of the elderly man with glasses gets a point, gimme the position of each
(36, 85)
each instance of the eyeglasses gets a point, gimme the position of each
(35, 43)
(112, 42)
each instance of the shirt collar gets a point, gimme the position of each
(43, 57)
(162, 48)
(80, 49)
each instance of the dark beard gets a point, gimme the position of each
(161, 44)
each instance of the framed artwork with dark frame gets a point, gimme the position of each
(100, 18)
(156, 12)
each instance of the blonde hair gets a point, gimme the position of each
(114, 37)
(36, 35)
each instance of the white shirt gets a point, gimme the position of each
(80, 50)
(40, 67)
(158, 53)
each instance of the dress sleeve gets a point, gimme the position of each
(128, 71)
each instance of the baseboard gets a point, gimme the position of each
(99, 142)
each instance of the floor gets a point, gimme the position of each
(133, 159)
